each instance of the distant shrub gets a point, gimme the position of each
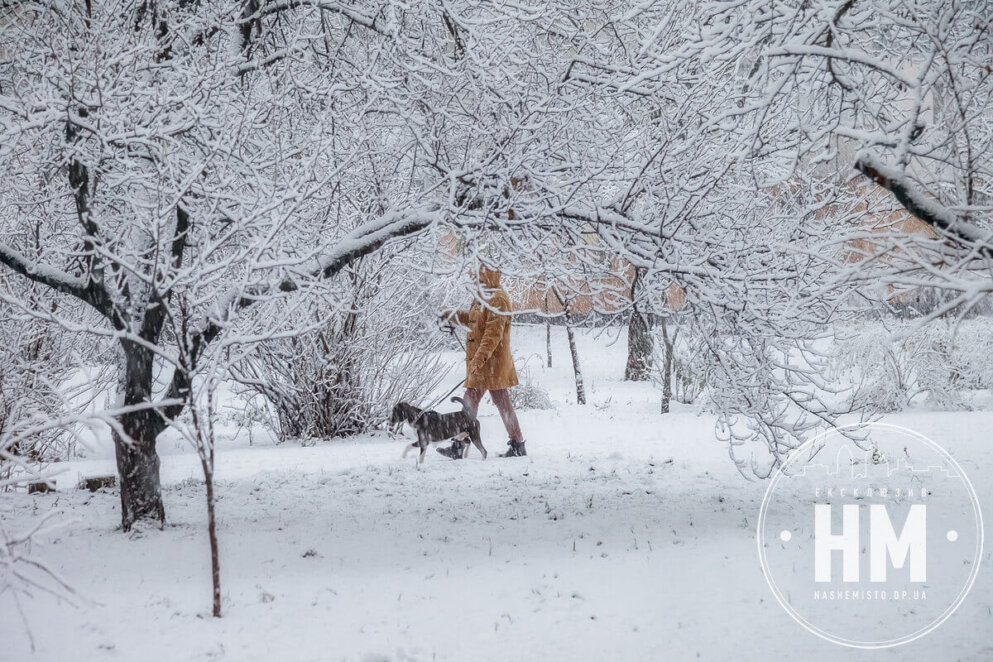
(528, 394)
(937, 364)
(344, 377)
(36, 361)
(688, 377)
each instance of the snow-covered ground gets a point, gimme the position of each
(625, 535)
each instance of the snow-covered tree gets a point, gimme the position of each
(666, 184)
(251, 151)
(897, 92)
(150, 147)
(367, 345)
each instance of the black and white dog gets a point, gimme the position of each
(431, 426)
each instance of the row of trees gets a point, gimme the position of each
(187, 180)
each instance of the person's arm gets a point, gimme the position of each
(497, 321)
(457, 316)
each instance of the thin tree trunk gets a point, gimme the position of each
(548, 343)
(640, 345)
(580, 391)
(205, 449)
(134, 442)
(577, 371)
(548, 334)
(667, 383)
(666, 369)
(203, 440)
(215, 561)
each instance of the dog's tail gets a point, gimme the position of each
(465, 407)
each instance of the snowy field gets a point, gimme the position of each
(625, 535)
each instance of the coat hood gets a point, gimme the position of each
(489, 278)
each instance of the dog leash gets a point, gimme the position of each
(438, 401)
(451, 329)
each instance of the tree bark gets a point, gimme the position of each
(138, 466)
(215, 561)
(640, 348)
(134, 441)
(548, 343)
(580, 389)
(640, 345)
(577, 371)
(666, 370)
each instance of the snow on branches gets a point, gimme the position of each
(241, 156)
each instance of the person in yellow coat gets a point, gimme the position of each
(489, 365)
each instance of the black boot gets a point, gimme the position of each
(455, 451)
(516, 449)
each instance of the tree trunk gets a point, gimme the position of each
(134, 442)
(640, 345)
(580, 390)
(666, 370)
(640, 349)
(667, 384)
(138, 466)
(548, 343)
(215, 562)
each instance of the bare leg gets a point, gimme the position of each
(501, 398)
(472, 397)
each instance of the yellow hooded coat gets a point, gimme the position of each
(489, 364)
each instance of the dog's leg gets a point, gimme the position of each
(477, 440)
(422, 441)
(408, 448)
(460, 445)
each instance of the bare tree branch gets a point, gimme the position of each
(365, 240)
(927, 209)
(86, 291)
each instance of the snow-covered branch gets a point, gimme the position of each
(363, 241)
(86, 291)
(927, 209)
